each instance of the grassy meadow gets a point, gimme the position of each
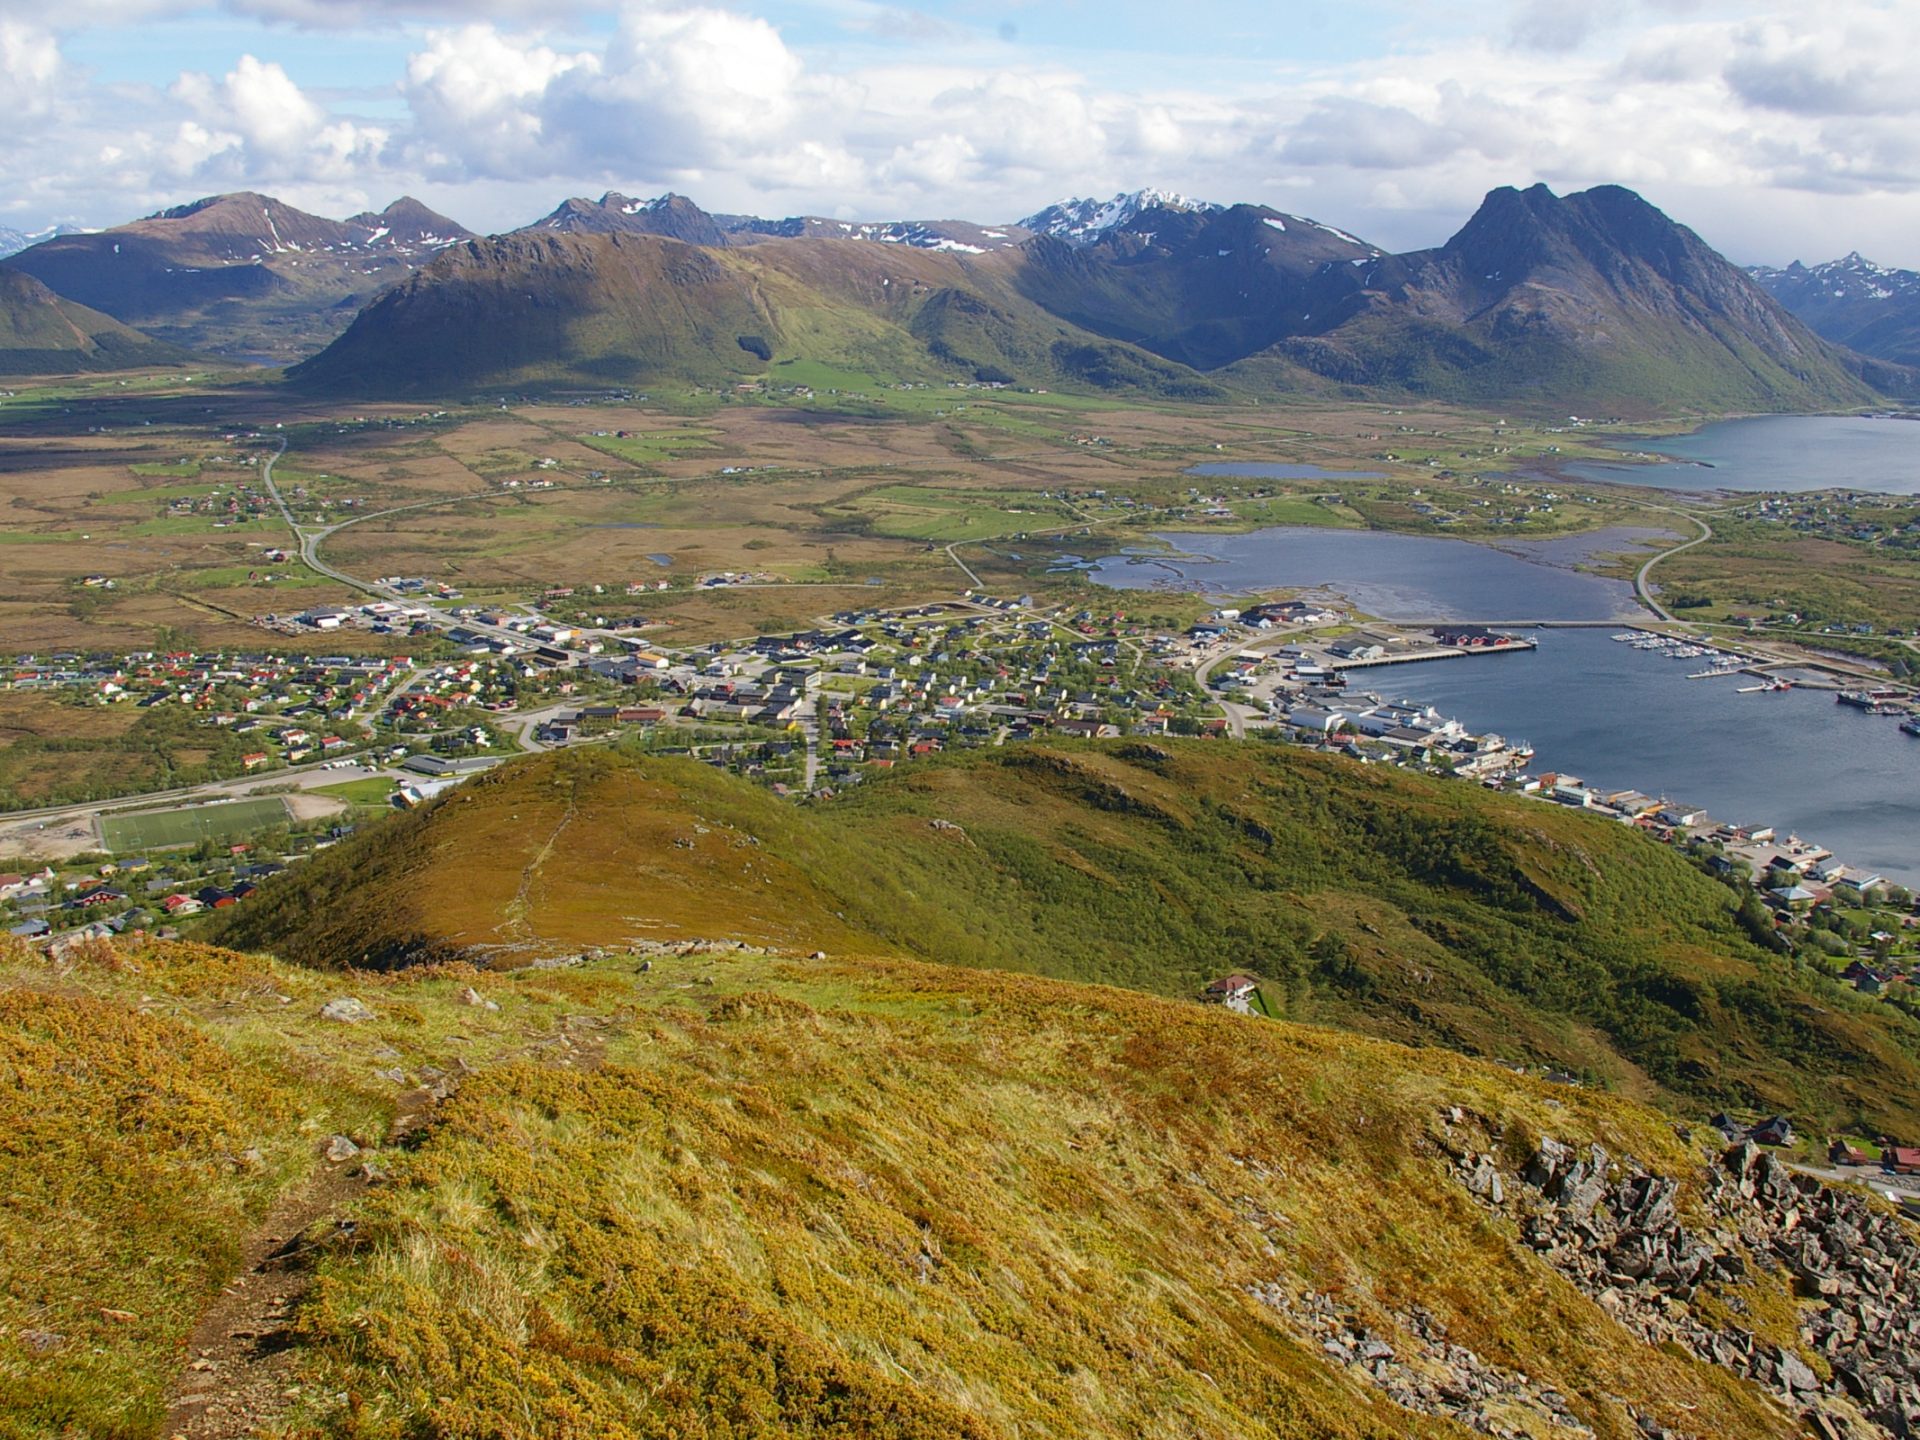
(750, 1194)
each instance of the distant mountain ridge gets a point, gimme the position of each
(1597, 293)
(1595, 299)
(1082, 222)
(243, 275)
(1871, 308)
(677, 218)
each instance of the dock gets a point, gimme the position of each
(1435, 652)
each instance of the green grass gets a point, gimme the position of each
(914, 512)
(164, 829)
(139, 1150)
(179, 469)
(652, 446)
(374, 790)
(1287, 511)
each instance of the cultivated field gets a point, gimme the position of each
(827, 490)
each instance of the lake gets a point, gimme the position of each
(1777, 452)
(1619, 717)
(1393, 577)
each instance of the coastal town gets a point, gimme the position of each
(307, 748)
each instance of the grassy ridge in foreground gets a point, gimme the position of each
(1420, 910)
(752, 1195)
(138, 1148)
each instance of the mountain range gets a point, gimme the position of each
(1595, 300)
(1853, 302)
(243, 276)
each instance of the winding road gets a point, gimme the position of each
(1640, 590)
(309, 539)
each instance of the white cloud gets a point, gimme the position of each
(29, 69)
(1724, 111)
(255, 121)
(474, 95)
(1861, 65)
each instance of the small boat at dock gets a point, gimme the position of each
(1880, 701)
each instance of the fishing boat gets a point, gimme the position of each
(1911, 725)
(1881, 701)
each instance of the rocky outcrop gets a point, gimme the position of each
(1648, 1248)
(1418, 1368)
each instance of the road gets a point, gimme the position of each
(966, 569)
(310, 538)
(1239, 715)
(1640, 590)
(810, 728)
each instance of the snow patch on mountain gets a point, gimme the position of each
(1083, 221)
(1852, 277)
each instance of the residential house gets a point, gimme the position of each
(1236, 992)
(1775, 1130)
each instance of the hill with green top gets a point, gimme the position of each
(1389, 904)
(43, 334)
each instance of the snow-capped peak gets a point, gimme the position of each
(1853, 277)
(1081, 222)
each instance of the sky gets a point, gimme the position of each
(1777, 130)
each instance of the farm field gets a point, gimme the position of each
(825, 490)
(162, 829)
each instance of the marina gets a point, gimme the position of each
(1742, 734)
(1794, 759)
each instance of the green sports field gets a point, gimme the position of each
(159, 829)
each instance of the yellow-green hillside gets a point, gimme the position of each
(729, 1193)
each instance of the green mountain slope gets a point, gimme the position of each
(42, 334)
(545, 308)
(1414, 909)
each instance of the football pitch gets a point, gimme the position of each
(159, 829)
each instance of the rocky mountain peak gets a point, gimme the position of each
(1083, 221)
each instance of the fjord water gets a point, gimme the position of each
(1619, 717)
(1389, 576)
(1778, 452)
(1615, 716)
